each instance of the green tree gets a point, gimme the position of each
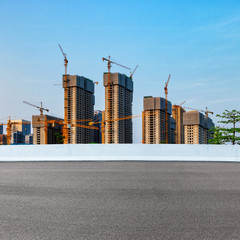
(59, 138)
(218, 137)
(224, 134)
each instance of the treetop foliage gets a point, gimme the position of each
(222, 135)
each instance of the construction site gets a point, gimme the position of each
(162, 122)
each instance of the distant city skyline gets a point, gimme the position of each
(196, 42)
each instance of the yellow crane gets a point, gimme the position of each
(61, 122)
(204, 111)
(46, 123)
(109, 104)
(103, 122)
(9, 125)
(41, 109)
(166, 108)
(65, 126)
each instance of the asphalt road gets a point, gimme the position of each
(119, 200)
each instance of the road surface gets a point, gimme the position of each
(119, 200)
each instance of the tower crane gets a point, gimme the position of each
(65, 126)
(109, 103)
(41, 109)
(166, 107)
(206, 112)
(133, 71)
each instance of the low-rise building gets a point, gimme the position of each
(21, 125)
(19, 129)
(44, 129)
(17, 137)
(29, 139)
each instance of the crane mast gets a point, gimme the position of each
(166, 108)
(65, 126)
(9, 126)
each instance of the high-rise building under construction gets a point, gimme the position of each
(80, 108)
(177, 114)
(118, 104)
(197, 127)
(154, 121)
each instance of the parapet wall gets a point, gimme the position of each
(118, 152)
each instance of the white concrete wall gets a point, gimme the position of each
(88, 152)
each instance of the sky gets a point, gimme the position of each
(197, 42)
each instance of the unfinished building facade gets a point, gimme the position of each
(177, 114)
(197, 127)
(118, 104)
(154, 121)
(97, 133)
(3, 139)
(208, 134)
(80, 108)
(44, 129)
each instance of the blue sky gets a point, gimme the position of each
(197, 42)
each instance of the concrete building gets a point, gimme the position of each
(97, 133)
(3, 139)
(196, 128)
(120, 106)
(154, 121)
(29, 139)
(172, 131)
(177, 114)
(193, 122)
(80, 107)
(43, 131)
(208, 134)
(1, 129)
(19, 129)
(21, 125)
(17, 138)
